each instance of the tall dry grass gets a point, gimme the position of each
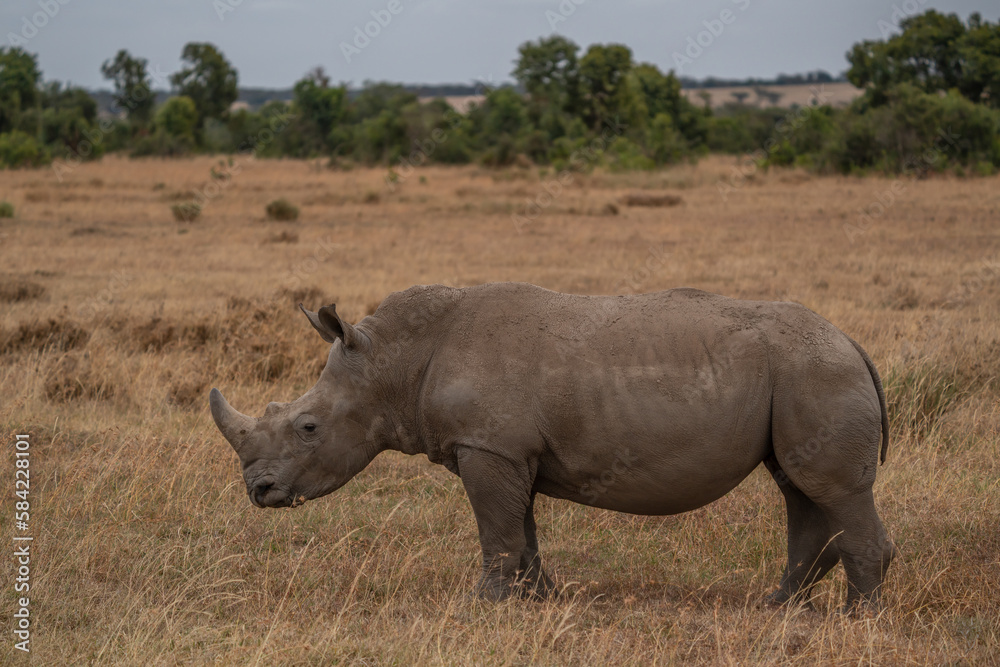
(115, 320)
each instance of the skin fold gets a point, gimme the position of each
(648, 404)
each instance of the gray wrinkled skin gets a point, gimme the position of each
(648, 404)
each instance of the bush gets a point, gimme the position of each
(178, 117)
(186, 211)
(161, 144)
(18, 149)
(625, 155)
(283, 210)
(6, 209)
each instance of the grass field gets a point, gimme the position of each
(116, 320)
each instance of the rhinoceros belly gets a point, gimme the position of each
(654, 439)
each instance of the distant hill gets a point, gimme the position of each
(254, 98)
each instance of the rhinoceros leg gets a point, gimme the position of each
(533, 579)
(501, 497)
(811, 551)
(828, 447)
(864, 547)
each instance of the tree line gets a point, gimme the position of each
(932, 89)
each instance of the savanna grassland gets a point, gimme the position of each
(116, 320)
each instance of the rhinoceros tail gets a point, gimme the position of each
(881, 396)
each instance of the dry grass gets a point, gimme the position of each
(147, 551)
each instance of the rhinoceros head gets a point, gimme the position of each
(312, 446)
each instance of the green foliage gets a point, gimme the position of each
(6, 209)
(18, 149)
(69, 121)
(209, 81)
(549, 72)
(933, 52)
(186, 211)
(282, 210)
(665, 144)
(19, 79)
(604, 83)
(927, 106)
(133, 92)
(320, 109)
(177, 117)
(626, 155)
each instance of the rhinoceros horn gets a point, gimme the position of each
(235, 425)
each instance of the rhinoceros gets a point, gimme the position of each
(650, 404)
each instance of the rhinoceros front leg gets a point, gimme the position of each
(501, 497)
(533, 579)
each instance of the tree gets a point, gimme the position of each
(178, 117)
(68, 113)
(210, 81)
(603, 72)
(19, 79)
(934, 52)
(132, 86)
(320, 108)
(549, 72)
(979, 50)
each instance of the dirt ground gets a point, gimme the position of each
(116, 320)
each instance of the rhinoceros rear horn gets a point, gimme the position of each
(330, 327)
(235, 425)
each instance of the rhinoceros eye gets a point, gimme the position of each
(309, 428)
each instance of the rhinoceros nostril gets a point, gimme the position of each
(260, 490)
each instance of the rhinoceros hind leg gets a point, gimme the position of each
(864, 547)
(811, 549)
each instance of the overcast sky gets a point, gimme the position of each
(272, 43)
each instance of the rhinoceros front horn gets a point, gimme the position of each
(235, 425)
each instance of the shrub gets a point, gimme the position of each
(283, 210)
(186, 211)
(6, 209)
(18, 149)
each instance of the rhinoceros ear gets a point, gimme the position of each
(329, 325)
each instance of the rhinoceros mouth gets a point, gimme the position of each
(268, 495)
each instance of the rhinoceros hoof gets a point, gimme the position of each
(541, 589)
(782, 598)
